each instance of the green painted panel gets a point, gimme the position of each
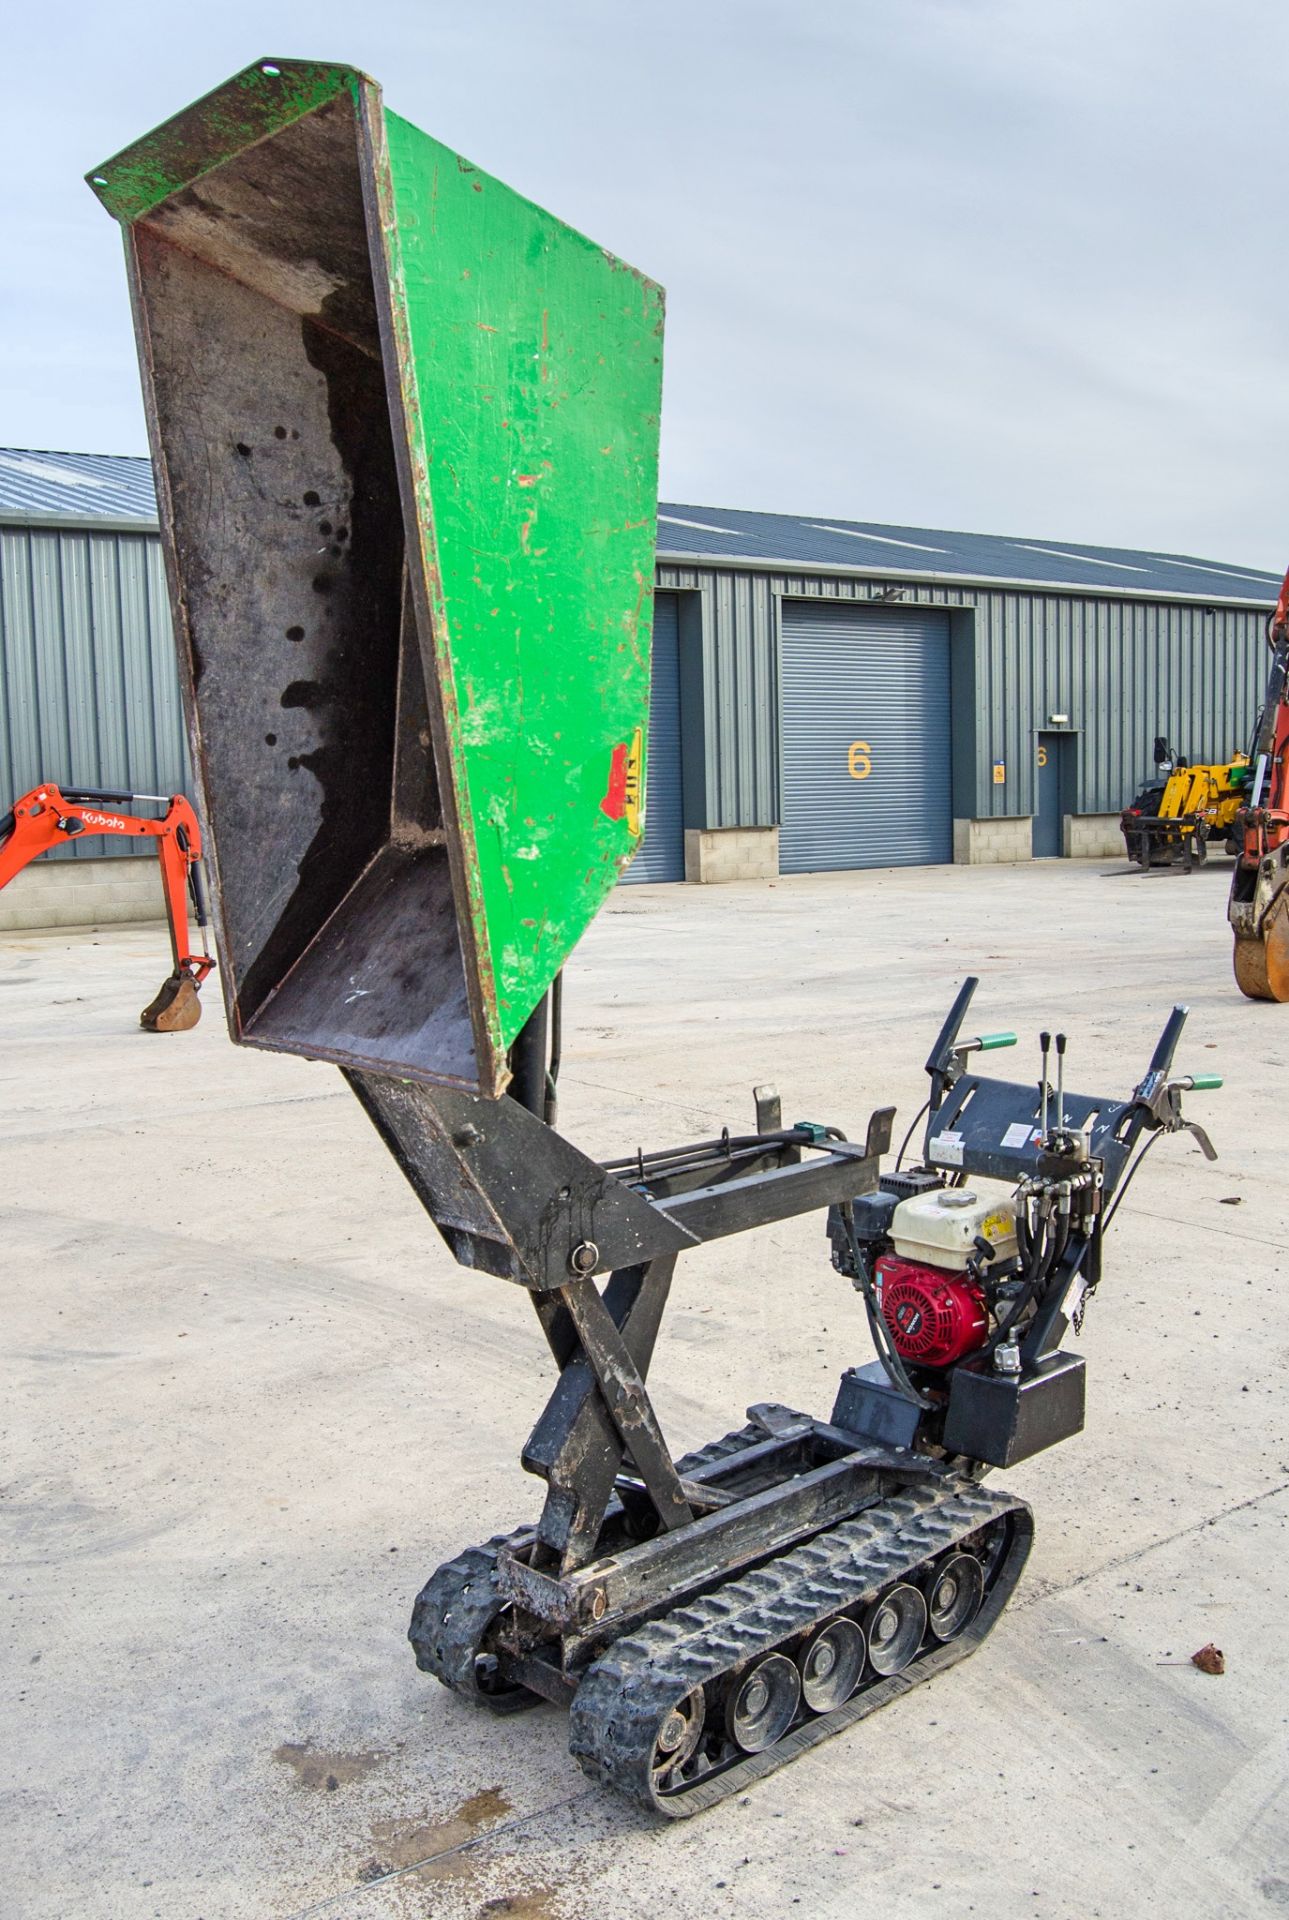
(532, 371)
(254, 104)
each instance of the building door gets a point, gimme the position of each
(1051, 785)
(865, 737)
(662, 852)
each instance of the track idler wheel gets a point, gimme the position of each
(1262, 965)
(176, 1008)
(677, 1738)
(456, 1613)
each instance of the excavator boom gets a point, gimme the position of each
(50, 816)
(1259, 904)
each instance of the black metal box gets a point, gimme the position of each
(868, 1404)
(1002, 1418)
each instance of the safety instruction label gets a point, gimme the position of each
(1019, 1134)
(946, 1148)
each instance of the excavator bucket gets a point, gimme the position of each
(404, 425)
(176, 1008)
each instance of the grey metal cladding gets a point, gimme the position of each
(88, 689)
(1123, 670)
(1128, 644)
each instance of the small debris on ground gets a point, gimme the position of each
(1231, 1200)
(1209, 1659)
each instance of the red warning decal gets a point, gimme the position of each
(614, 802)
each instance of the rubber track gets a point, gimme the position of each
(459, 1601)
(623, 1697)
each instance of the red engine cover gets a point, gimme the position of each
(934, 1317)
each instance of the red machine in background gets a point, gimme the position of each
(49, 816)
(1259, 904)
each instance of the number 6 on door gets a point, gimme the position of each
(860, 760)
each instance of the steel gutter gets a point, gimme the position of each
(82, 523)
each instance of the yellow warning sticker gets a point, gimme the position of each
(635, 768)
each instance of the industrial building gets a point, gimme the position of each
(828, 694)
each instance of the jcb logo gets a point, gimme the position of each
(859, 760)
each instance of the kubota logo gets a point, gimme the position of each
(103, 820)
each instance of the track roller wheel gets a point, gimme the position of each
(830, 1664)
(763, 1703)
(954, 1592)
(895, 1624)
(176, 1008)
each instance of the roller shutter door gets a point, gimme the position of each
(865, 733)
(662, 855)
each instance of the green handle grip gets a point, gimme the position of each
(1205, 1082)
(988, 1041)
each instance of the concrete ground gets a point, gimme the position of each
(249, 1404)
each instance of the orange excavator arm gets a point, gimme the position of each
(1259, 905)
(49, 816)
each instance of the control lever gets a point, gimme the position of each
(1162, 1100)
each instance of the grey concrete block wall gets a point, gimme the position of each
(1002, 841)
(731, 853)
(1093, 836)
(82, 893)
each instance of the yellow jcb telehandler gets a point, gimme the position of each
(1172, 821)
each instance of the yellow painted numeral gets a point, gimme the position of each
(860, 760)
(1042, 756)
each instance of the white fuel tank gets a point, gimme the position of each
(940, 1228)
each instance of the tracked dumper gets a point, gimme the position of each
(405, 433)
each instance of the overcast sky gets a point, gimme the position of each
(1009, 266)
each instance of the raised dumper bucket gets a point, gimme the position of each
(404, 425)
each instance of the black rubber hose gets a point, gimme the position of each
(899, 1158)
(1127, 1181)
